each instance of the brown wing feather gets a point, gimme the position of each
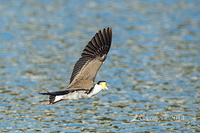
(92, 58)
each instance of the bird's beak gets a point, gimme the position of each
(105, 87)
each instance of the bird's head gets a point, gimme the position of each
(101, 85)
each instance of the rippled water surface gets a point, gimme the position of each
(152, 70)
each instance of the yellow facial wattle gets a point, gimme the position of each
(104, 86)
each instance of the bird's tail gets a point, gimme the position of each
(56, 96)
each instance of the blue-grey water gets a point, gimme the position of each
(152, 69)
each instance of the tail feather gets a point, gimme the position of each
(55, 96)
(52, 99)
(56, 93)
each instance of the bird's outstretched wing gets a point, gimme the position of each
(93, 56)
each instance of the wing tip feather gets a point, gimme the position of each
(97, 48)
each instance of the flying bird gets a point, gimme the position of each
(81, 84)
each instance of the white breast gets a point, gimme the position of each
(97, 88)
(76, 95)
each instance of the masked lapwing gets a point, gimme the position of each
(81, 84)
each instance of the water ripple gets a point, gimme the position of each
(152, 70)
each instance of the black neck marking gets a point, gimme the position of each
(88, 92)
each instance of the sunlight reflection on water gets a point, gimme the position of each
(152, 70)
